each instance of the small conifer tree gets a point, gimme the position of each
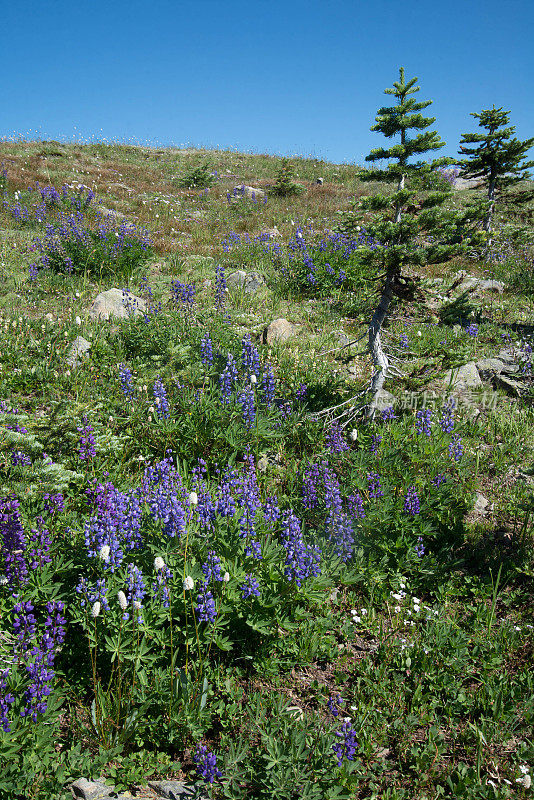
(405, 229)
(285, 185)
(497, 157)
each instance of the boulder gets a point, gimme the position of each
(248, 192)
(270, 233)
(89, 790)
(78, 350)
(481, 504)
(488, 368)
(279, 331)
(174, 790)
(249, 282)
(490, 286)
(116, 303)
(461, 378)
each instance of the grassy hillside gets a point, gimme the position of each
(210, 571)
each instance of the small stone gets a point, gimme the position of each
(319, 181)
(384, 400)
(236, 280)
(78, 350)
(262, 464)
(481, 504)
(279, 331)
(173, 790)
(253, 281)
(89, 790)
(112, 304)
(248, 192)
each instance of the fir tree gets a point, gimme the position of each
(499, 160)
(285, 185)
(406, 229)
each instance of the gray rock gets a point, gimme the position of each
(78, 350)
(174, 790)
(509, 385)
(89, 790)
(491, 286)
(280, 330)
(481, 504)
(111, 212)
(319, 181)
(253, 281)
(489, 367)
(270, 233)
(112, 303)
(467, 183)
(465, 377)
(248, 192)
(236, 280)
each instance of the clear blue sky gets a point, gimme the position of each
(295, 77)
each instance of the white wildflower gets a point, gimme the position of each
(363, 612)
(523, 769)
(226, 577)
(253, 379)
(353, 435)
(123, 602)
(193, 498)
(397, 596)
(137, 605)
(104, 552)
(159, 563)
(189, 583)
(95, 611)
(525, 781)
(78, 320)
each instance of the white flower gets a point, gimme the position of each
(189, 583)
(158, 563)
(356, 619)
(416, 601)
(416, 609)
(78, 320)
(123, 602)
(419, 333)
(397, 596)
(353, 435)
(193, 498)
(253, 379)
(363, 612)
(525, 781)
(523, 769)
(151, 410)
(104, 552)
(226, 577)
(95, 611)
(137, 605)
(397, 609)
(3, 580)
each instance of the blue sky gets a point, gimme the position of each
(301, 77)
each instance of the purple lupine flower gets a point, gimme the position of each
(206, 350)
(164, 492)
(6, 700)
(250, 359)
(375, 490)
(183, 295)
(53, 503)
(338, 525)
(20, 459)
(302, 560)
(268, 385)
(160, 398)
(456, 447)
(355, 505)
(446, 422)
(86, 443)
(472, 330)
(39, 546)
(220, 288)
(333, 703)
(228, 380)
(388, 414)
(13, 542)
(212, 567)
(419, 547)
(93, 594)
(424, 421)
(206, 764)
(301, 392)
(310, 482)
(126, 382)
(248, 499)
(403, 342)
(135, 591)
(439, 479)
(160, 586)
(334, 439)
(246, 401)
(375, 443)
(271, 510)
(115, 524)
(346, 747)
(412, 504)
(251, 588)
(205, 608)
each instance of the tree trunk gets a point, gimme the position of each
(398, 207)
(491, 199)
(380, 359)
